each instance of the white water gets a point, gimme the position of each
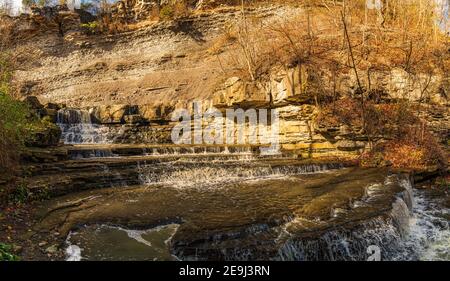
(77, 127)
(416, 230)
(74, 252)
(201, 176)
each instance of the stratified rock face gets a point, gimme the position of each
(135, 10)
(110, 114)
(132, 82)
(290, 87)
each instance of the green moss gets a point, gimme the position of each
(6, 253)
(92, 27)
(166, 12)
(443, 183)
(19, 195)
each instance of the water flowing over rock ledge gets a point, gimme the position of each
(68, 169)
(334, 215)
(298, 131)
(117, 189)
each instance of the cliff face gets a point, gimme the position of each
(141, 76)
(172, 62)
(166, 62)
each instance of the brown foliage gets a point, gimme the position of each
(402, 36)
(404, 141)
(396, 134)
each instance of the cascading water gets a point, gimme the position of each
(77, 127)
(428, 236)
(364, 209)
(384, 233)
(198, 174)
(254, 211)
(414, 229)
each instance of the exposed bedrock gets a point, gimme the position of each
(129, 84)
(303, 217)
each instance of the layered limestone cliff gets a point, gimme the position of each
(132, 82)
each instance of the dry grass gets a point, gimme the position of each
(403, 36)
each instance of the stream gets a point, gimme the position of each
(231, 204)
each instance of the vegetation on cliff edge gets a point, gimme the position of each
(337, 43)
(19, 126)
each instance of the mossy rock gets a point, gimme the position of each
(43, 134)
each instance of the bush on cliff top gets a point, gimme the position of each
(396, 135)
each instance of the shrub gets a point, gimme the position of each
(12, 118)
(13, 126)
(403, 153)
(92, 27)
(397, 136)
(20, 194)
(180, 9)
(166, 12)
(18, 125)
(6, 253)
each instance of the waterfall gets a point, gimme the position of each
(77, 127)
(414, 230)
(197, 174)
(385, 233)
(411, 230)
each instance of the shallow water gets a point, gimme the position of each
(102, 242)
(331, 215)
(427, 238)
(269, 209)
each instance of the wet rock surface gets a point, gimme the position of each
(62, 170)
(246, 216)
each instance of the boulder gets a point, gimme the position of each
(35, 105)
(52, 114)
(43, 134)
(110, 114)
(52, 249)
(133, 119)
(349, 145)
(51, 105)
(155, 112)
(33, 102)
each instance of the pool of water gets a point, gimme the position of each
(275, 212)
